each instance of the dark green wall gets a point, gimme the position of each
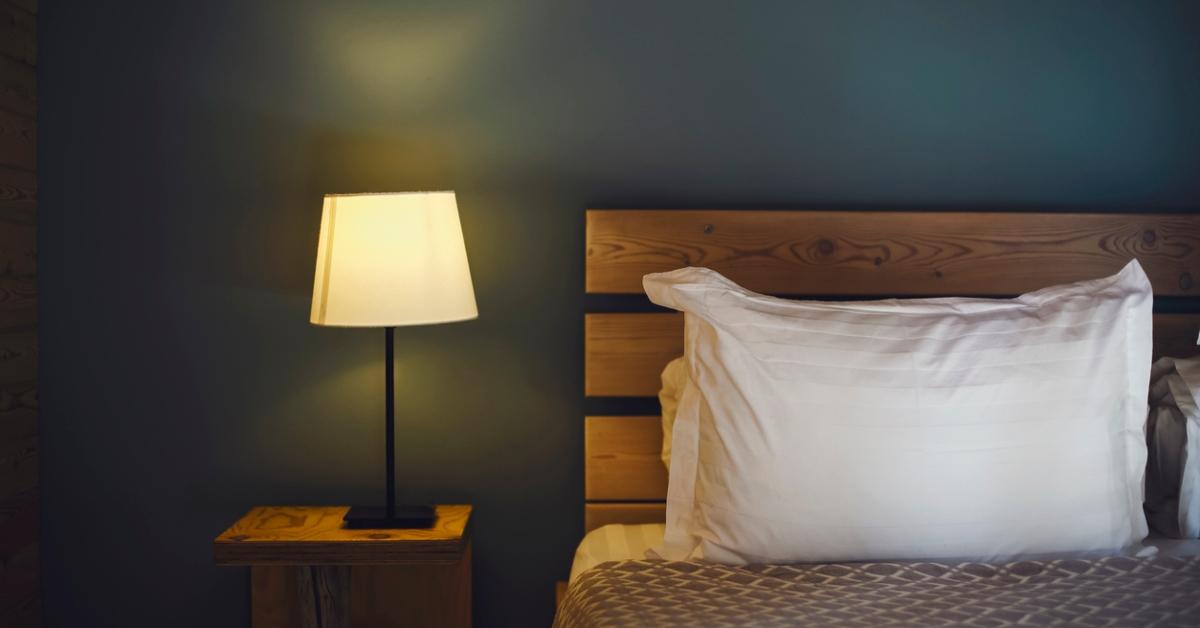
(185, 148)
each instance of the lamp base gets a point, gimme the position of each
(374, 517)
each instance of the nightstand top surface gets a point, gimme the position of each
(313, 535)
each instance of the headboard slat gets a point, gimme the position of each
(624, 354)
(602, 514)
(623, 458)
(886, 253)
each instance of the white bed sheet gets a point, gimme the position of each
(630, 541)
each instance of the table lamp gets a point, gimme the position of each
(391, 260)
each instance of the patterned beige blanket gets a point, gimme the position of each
(1118, 591)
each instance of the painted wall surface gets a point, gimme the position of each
(185, 147)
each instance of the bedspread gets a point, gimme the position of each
(1115, 591)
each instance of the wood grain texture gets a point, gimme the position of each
(624, 354)
(30, 6)
(413, 594)
(18, 198)
(622, 458)
(20, 604)
(18, 311)
(275, 596)
(18, 141)
(18, 469)
(18, 87)
(890, 253)
(602, 514)
(18, 31)
(304, 535)
(627, 352)
(19, 572)
(417, 594)
(324, 596)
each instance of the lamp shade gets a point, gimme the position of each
(387, 260)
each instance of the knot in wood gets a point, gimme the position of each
(1185, 281)
(1148, 236)
(708, 228)
(825, 247)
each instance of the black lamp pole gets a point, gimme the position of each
(390, 413)
(392, 516)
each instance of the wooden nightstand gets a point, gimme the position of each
(306, 570)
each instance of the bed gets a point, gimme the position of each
(848, 255)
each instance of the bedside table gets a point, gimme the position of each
(307, 570)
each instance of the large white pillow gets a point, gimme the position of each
(904, 429)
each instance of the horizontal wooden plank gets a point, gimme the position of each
(622, 458)
(890, 253)
(18, 87)
(602, 514)
(18, 141)
(624, 354)
(1175, 335)
(18, 32)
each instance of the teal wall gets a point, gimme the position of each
(185, 147)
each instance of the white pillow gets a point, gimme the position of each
(674, 379)
(925, 428)
(1173, 434)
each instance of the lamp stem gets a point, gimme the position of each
(390, 414)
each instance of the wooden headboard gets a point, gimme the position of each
(831, 254)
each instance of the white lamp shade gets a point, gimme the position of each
(388, 260)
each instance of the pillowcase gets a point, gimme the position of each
(1173, 437)
(674, 379)
(901, 429)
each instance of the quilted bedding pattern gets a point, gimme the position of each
(1115, 591)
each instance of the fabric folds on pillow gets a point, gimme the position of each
(1173, 436)
(904, 429)
(674, 379)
